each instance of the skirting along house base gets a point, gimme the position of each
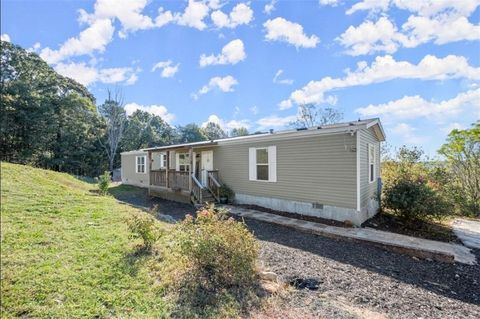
(330, 171)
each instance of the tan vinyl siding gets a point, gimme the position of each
(129, 175)
(319, 169)
(367, 189)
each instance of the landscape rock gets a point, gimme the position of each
(268, 275)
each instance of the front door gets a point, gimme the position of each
(206, 164)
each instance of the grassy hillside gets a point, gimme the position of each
(65, 251)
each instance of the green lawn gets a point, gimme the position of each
(66, 251)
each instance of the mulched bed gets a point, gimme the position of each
(361, 280)
(427, 230)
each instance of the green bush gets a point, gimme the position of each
(104, 183)
(226, 191)
(220, 251)
(146, 227)
(414, 200)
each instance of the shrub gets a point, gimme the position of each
(414, 200)
(221, 251)
(146, 227)
(104, 183)
(226, 191)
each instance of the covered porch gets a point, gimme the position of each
(184, 172)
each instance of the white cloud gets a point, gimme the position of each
(224, 84)
(5, 37)
(440, 30)
(386, 68)
(329, 2)
(440, 21)
(240, 14)
(283, 30)
(193, 15)
(410, 107)
(158, 110)
(232, 53)
(87, 75)
(275, 121)
(128, 12)
(270, 7)
(370, 37)
(423, 8)
(285, 104)
(227, 125)
(370, 5)
(281, 81)
(168, 70)
(254, 110)
(94, 38)
(408, 134)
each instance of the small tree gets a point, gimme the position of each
(115, 117)
(310, 115)
(104, 183)
(462, 152)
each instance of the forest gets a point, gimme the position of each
(54, 122)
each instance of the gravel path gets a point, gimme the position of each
(357, 280)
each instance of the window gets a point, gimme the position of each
(163, 160)
(183, 162)
(140, 164)
(263, 164)
(371, 163)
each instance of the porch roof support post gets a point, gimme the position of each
(190, 156)
(167, 169)
(150, 182)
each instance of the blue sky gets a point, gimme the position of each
(414, 64)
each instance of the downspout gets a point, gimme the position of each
(358, 171)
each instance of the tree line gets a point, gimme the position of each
(53, 122)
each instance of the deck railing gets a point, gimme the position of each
(176, 180)
(158, 178)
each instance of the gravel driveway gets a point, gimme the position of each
(357, 280)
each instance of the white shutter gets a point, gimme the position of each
(252, 164)
(177, 161)
(272, 163)
(171, 159)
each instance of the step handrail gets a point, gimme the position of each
(199, 186)
(194, 178)
(213, 179)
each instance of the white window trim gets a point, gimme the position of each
(271, 164)
(177, 162)
(372, 176)
(138, 164)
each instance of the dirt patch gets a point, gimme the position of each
(422, 229)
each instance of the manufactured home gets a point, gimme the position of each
(330, 171)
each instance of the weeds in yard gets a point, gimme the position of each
(209, 266)
(144, 225)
